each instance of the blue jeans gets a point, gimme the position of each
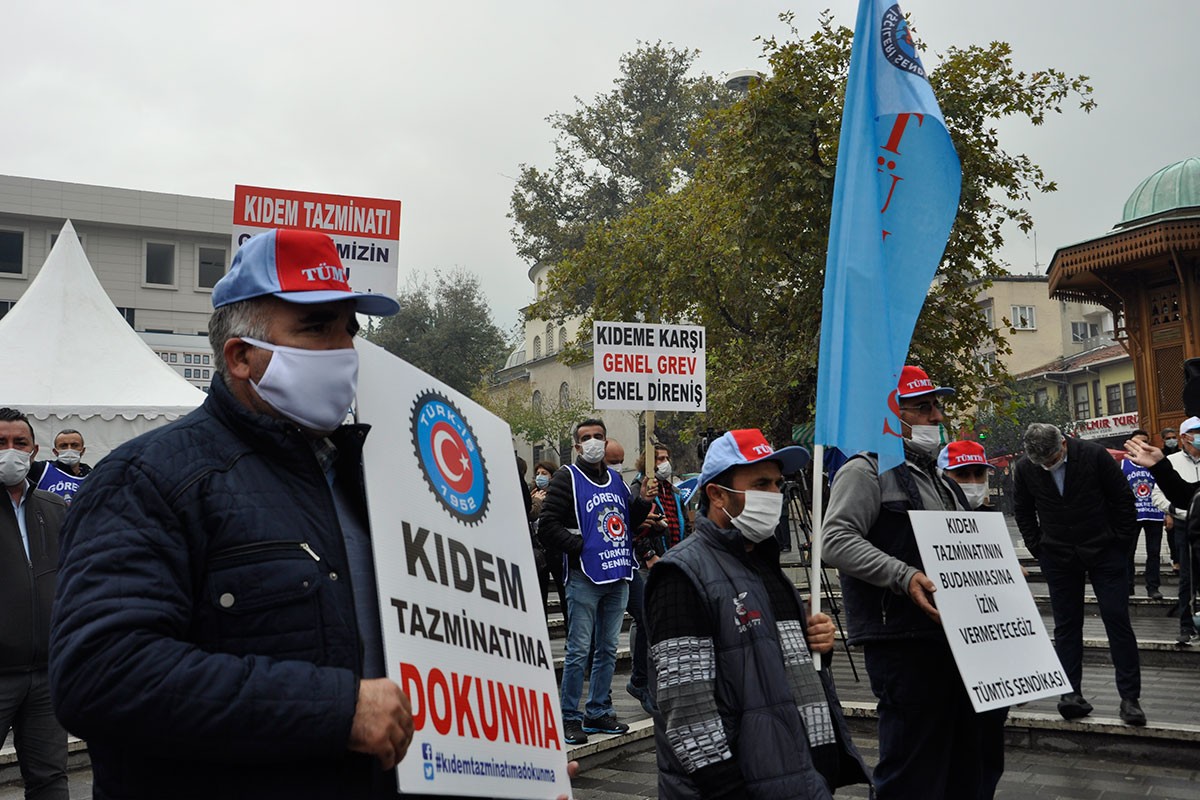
(599, 607)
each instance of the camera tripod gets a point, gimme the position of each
(798, 499)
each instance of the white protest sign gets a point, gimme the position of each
(991, 620)
(463, 626)
(366, 230)
(641, 367)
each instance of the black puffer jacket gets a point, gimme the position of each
(204, 639)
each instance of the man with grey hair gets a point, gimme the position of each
(1077, 516)
(216, 629)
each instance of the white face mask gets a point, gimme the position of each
(925, 438)
(760, 515)
(70, 457)
(593, 451)
(14, 466)
(663, 471)
(542, 481)
(975, 492)
(1171, 442)
(313, 388)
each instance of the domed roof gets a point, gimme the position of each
(1174, 186)
(516, 358)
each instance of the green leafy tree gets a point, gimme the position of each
(610, 155)
(444, 328)
(741, 247)
(1001, 428)
(548, 423)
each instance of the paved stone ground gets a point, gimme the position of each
(1028, 775)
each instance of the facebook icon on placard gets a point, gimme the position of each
(427, 755)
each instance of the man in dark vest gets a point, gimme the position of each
(932, 744)
(588, 515)
(1077, 516)
(29, 525)
(741, 710)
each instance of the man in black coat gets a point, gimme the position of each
(1077, 515)
(29, 525)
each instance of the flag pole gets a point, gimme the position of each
(814, 581)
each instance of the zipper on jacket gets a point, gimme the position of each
(257, 548)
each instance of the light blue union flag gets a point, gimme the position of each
(894, 200)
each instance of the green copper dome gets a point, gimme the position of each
(1176, 186)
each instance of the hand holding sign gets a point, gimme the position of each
(920, 590)
(383, 722)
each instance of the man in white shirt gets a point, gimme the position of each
(1187, 463)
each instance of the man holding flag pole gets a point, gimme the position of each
(895, 197)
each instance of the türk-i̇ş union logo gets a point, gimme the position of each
(612, 525)
(450, 459)
(897, 42)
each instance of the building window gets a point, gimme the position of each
(1024, 318)
(160, 264)
(989, 316)
(562, 338)
(82, 237)
(1083, 405)
(210, 266)
(1041, 398)
(537, 401)
(1129, 390)
(187, 373)
(206, 360)
(564, 395)
(537, 347)
(1112, 396)
(129, 314)
(12, 252)
(173, 358)
(187, 358)
(549, 338)
(1082, 331)
(164, 356)
(987, 364)
(206, 373)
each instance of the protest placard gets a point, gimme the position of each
(366, 230)
(988, 613)
(642, 367)
(464, 631)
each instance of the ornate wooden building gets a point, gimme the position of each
(1146, 270)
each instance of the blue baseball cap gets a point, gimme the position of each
(296, 266)
(748, 446)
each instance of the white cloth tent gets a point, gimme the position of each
(70, 360)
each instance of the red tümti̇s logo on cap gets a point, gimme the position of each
(914, 381)
(965, 454)
(309, 263)
(751, 443)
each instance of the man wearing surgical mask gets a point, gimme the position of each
(965, 463)
(932, 744)
(741, 710)
(216, 621)
(588, 516)
(29, 527)
(1078, 518)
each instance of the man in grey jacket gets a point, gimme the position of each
(932, 744)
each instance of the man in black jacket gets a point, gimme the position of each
(216, 630)
(29, 525)
(588, 515)
(1077, 515)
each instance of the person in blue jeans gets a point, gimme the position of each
(587, 517)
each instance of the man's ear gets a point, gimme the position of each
(237, 358)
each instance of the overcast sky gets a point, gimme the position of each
(437, 103)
